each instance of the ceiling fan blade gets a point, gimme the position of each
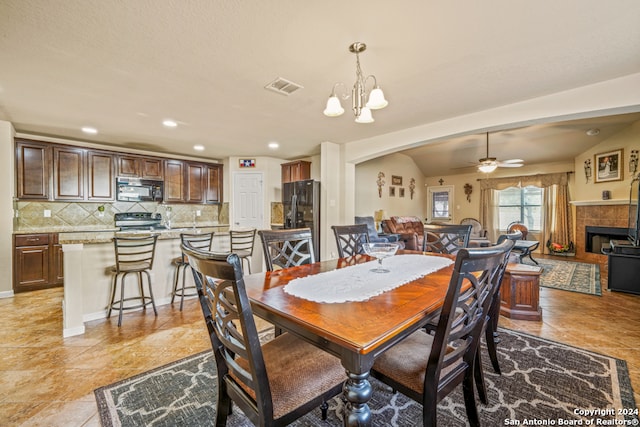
(510, 165)
(512, 161)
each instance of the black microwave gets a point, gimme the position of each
(139, 190)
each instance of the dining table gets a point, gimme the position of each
(342, 307)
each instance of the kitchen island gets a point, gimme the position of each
(88, 258)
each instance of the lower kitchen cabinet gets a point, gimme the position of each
(37, 262)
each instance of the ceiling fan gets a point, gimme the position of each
(489, 164)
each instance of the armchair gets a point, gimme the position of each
(374, 236)
(410, 229)
(478, 237)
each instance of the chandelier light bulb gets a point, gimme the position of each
(376, 99)
(365, 116)
(334, 108)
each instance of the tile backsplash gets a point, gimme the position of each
(78, 216)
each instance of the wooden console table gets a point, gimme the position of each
(520, 292)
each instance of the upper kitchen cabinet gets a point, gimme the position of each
(196, 185)
(191, 182)
(68, 173)
(299, 170)
(100, 176)
(132, 166)
(33, 165)
(214, 184)
(174, 185)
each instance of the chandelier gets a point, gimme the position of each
(359, 103)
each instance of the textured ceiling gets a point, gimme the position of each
(124, 66)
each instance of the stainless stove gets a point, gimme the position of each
(139, 221)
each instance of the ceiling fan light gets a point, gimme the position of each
(365, 116)
(488, 167)
(334, 108)
(376, 99)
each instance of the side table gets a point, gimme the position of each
(520, 292)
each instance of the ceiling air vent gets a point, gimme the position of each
(283, 86)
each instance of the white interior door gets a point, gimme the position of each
(248, 208)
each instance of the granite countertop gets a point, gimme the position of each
(107, 236)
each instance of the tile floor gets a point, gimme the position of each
(46, 380)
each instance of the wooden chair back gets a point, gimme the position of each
(287, 248)
(350, 238)
(518, 226)
(446, 238)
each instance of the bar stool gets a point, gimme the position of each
(242, 242)
(133, 255)
(198, 241)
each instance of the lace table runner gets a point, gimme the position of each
(358, 283)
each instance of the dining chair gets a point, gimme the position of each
(287, 248)
(445, 238)
(242, 243)
(427, 367)
(349, 239)
(494, 310)
(134, 255)
(273, 383)
(197, 240)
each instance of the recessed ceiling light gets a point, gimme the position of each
(198, 147)
(170, 123)
(274, 145)
(89, 129)
(593, 132)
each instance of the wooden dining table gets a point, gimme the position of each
(355, 332)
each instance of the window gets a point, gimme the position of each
(521, 205)
(439, 204)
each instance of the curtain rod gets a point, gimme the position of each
(482, 179)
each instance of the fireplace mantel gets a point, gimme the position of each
(600, 202)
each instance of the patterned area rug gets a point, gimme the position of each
(541, 380)
(569, 276)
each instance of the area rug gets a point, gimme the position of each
(569, 276)
(541, 380)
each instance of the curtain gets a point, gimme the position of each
(556, 225)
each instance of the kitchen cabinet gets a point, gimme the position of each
(196, 185)
(192, 182)
(37, 262)
(100, 176)
(174, 185)
(68, 173)
(57, 172)
(132, 166)
(33, 163)
(299, 170)
(214, 184)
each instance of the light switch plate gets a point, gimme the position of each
(47, 213)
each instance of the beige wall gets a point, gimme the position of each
(368, 200)
(627, 140)
(7, 177)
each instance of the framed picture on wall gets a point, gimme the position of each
(401, 192)
(392, 191)
(396, 180)
(609, 166)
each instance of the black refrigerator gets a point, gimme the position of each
(301, 206)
